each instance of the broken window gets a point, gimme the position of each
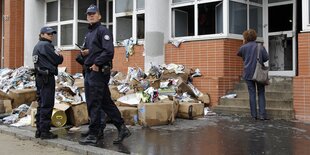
(280, 14)
(209, 18)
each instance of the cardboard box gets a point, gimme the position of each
(115, 94)
(7, 105)
(33, 113)
(23, 96)
(205, 98)
(152, 114)
(190, 110)
(129, 114)
(172, 75)
(77, 114)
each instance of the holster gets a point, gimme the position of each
(44, 74)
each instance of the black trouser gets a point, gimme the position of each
(45, 96)
(98, 97)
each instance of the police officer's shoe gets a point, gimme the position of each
(89, 140)
(123, 132)
(37, 134)
(86, 133)
(48, 135)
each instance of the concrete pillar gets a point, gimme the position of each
(156, 31)
(34, 20)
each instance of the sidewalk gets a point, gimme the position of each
(212, 135)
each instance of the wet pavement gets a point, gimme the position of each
(212, 135)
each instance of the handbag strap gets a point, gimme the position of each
(258, 50)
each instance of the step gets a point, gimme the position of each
(272, 113)
(271, 103)
(272, 87)
(269, 95)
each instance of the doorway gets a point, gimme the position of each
(282, 37)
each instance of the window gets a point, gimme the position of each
(71, 28)
(129, 19)
(208, 21)
(306, 15)
(237, 17)
(51, 11)
(244, 15)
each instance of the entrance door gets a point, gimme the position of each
(281, 37)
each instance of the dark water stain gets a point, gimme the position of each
(214, 135)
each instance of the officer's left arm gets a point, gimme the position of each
(107, 53)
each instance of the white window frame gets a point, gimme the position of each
(305, 15)
(225, 33)
(74, 23)
(196, 36)
(135, 11)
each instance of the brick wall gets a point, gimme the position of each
(301, 83)
(120, 63)
(14, 33)
(216, 60)
(69, 62)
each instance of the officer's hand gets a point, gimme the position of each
(94, 68)
(85, 52)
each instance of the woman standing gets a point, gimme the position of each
(248, 52)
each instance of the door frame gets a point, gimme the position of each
(291, 33)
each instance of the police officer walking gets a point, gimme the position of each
(46, 60)
(98, 55)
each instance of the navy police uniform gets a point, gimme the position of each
(101, 52)
(99, 43)
(45, 62)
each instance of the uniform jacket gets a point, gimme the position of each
(248, 52)
(44, 56)
(99, 42)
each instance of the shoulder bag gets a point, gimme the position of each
(261, 71)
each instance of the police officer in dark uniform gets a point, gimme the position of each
(80, 60)
(46, 60)
(98, 56)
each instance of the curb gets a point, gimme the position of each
(59, 143)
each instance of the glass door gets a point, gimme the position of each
(281, 38)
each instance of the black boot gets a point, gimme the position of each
(38, 134)
(86, 133)
(123, 132)
(89, 140)
(48, 135)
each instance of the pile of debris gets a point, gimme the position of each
(156, 97)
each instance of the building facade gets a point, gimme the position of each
(209, 33)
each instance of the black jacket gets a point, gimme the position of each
(44, 56)
(99, 42)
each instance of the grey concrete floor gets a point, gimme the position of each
(214, 135)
